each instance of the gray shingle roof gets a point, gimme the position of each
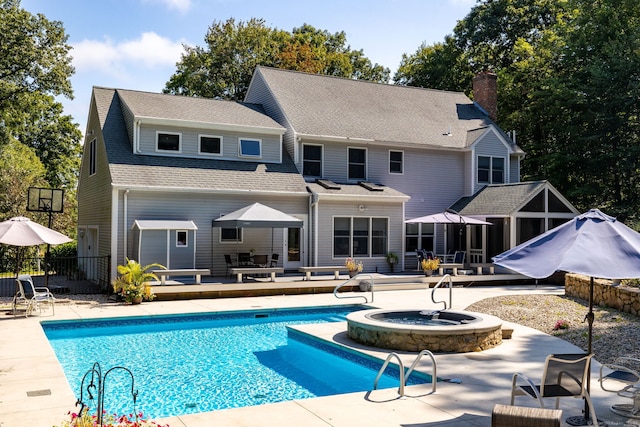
(498, 200)
(355, 190)
(331, 106)
(128, 169)
(199, 110)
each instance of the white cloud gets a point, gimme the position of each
(182, 6)
(148, 51)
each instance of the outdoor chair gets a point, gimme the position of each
(230, 264)
(624, 380)
(420, 256)
(274, 260)
(31, 297)
(260, 260)
(244, 260)
(564, 375)
(458, 257)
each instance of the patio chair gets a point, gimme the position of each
(420, 255)
(624, 380)
(244, 260)
(274, 260)
(31, 297)
(230, 264)
(564, 375)
(260, 260)
(458, 257)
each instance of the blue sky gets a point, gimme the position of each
(135, 44)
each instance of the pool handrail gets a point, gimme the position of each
(434, 375)
(450, 282)
(400, 369)
(357, 276)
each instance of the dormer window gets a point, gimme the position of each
(490, 170)
(168, 141)
(250, 148)
(210, 145)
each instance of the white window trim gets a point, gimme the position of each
(402, 164)
(366, 164)
(179, 150)
(200, 136)
(321, 158)
(504, 169)
(186, 244)
(93, 156)
(258, 140)
(369, 237)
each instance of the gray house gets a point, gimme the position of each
(352, 159)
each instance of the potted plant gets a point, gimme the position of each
(430, 264)
(132, 282)
(353, 266)
(392, 259)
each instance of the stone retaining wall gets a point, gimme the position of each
(622, 298)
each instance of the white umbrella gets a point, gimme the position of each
(447, 218)
(21, 231)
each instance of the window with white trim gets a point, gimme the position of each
(250, 148)
(230, 235)
(182, 237)
(168, 141)
(357, 158)
(419, 236)
(92, 157)
(360, 236)
(312, 160)
(210, 145)
(490, 170)
(396, 162)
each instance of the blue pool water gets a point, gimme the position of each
(197, 363)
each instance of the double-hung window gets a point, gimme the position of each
(357, 164)
(360, 236)
(490, 170)
(168, 141)
(231, 235)
(250, 148)
(419, 236)
(312, 160)
(396, 162)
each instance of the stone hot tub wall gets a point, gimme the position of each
(622, 298)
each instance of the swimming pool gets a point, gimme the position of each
(197, 363)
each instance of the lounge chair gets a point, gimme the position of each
(624, 380)
(510, 416)
(31, 297)
(564, 375)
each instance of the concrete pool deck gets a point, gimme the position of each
(34, 391)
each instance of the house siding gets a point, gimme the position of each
(328, 210)
(259, 93)
(94, 192)
(491, 145)
(270, 144)
(202, 209)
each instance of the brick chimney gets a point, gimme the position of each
(485, 92)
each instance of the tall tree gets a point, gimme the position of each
(223, 69)
(35, 66)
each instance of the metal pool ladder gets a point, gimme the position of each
(405, 376)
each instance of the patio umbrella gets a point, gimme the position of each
(448, 217)
(593, 244)
(21, 231)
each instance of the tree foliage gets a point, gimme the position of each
(223, 69)
(568, 83)
(35, 67)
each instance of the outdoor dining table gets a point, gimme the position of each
(446, 258)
